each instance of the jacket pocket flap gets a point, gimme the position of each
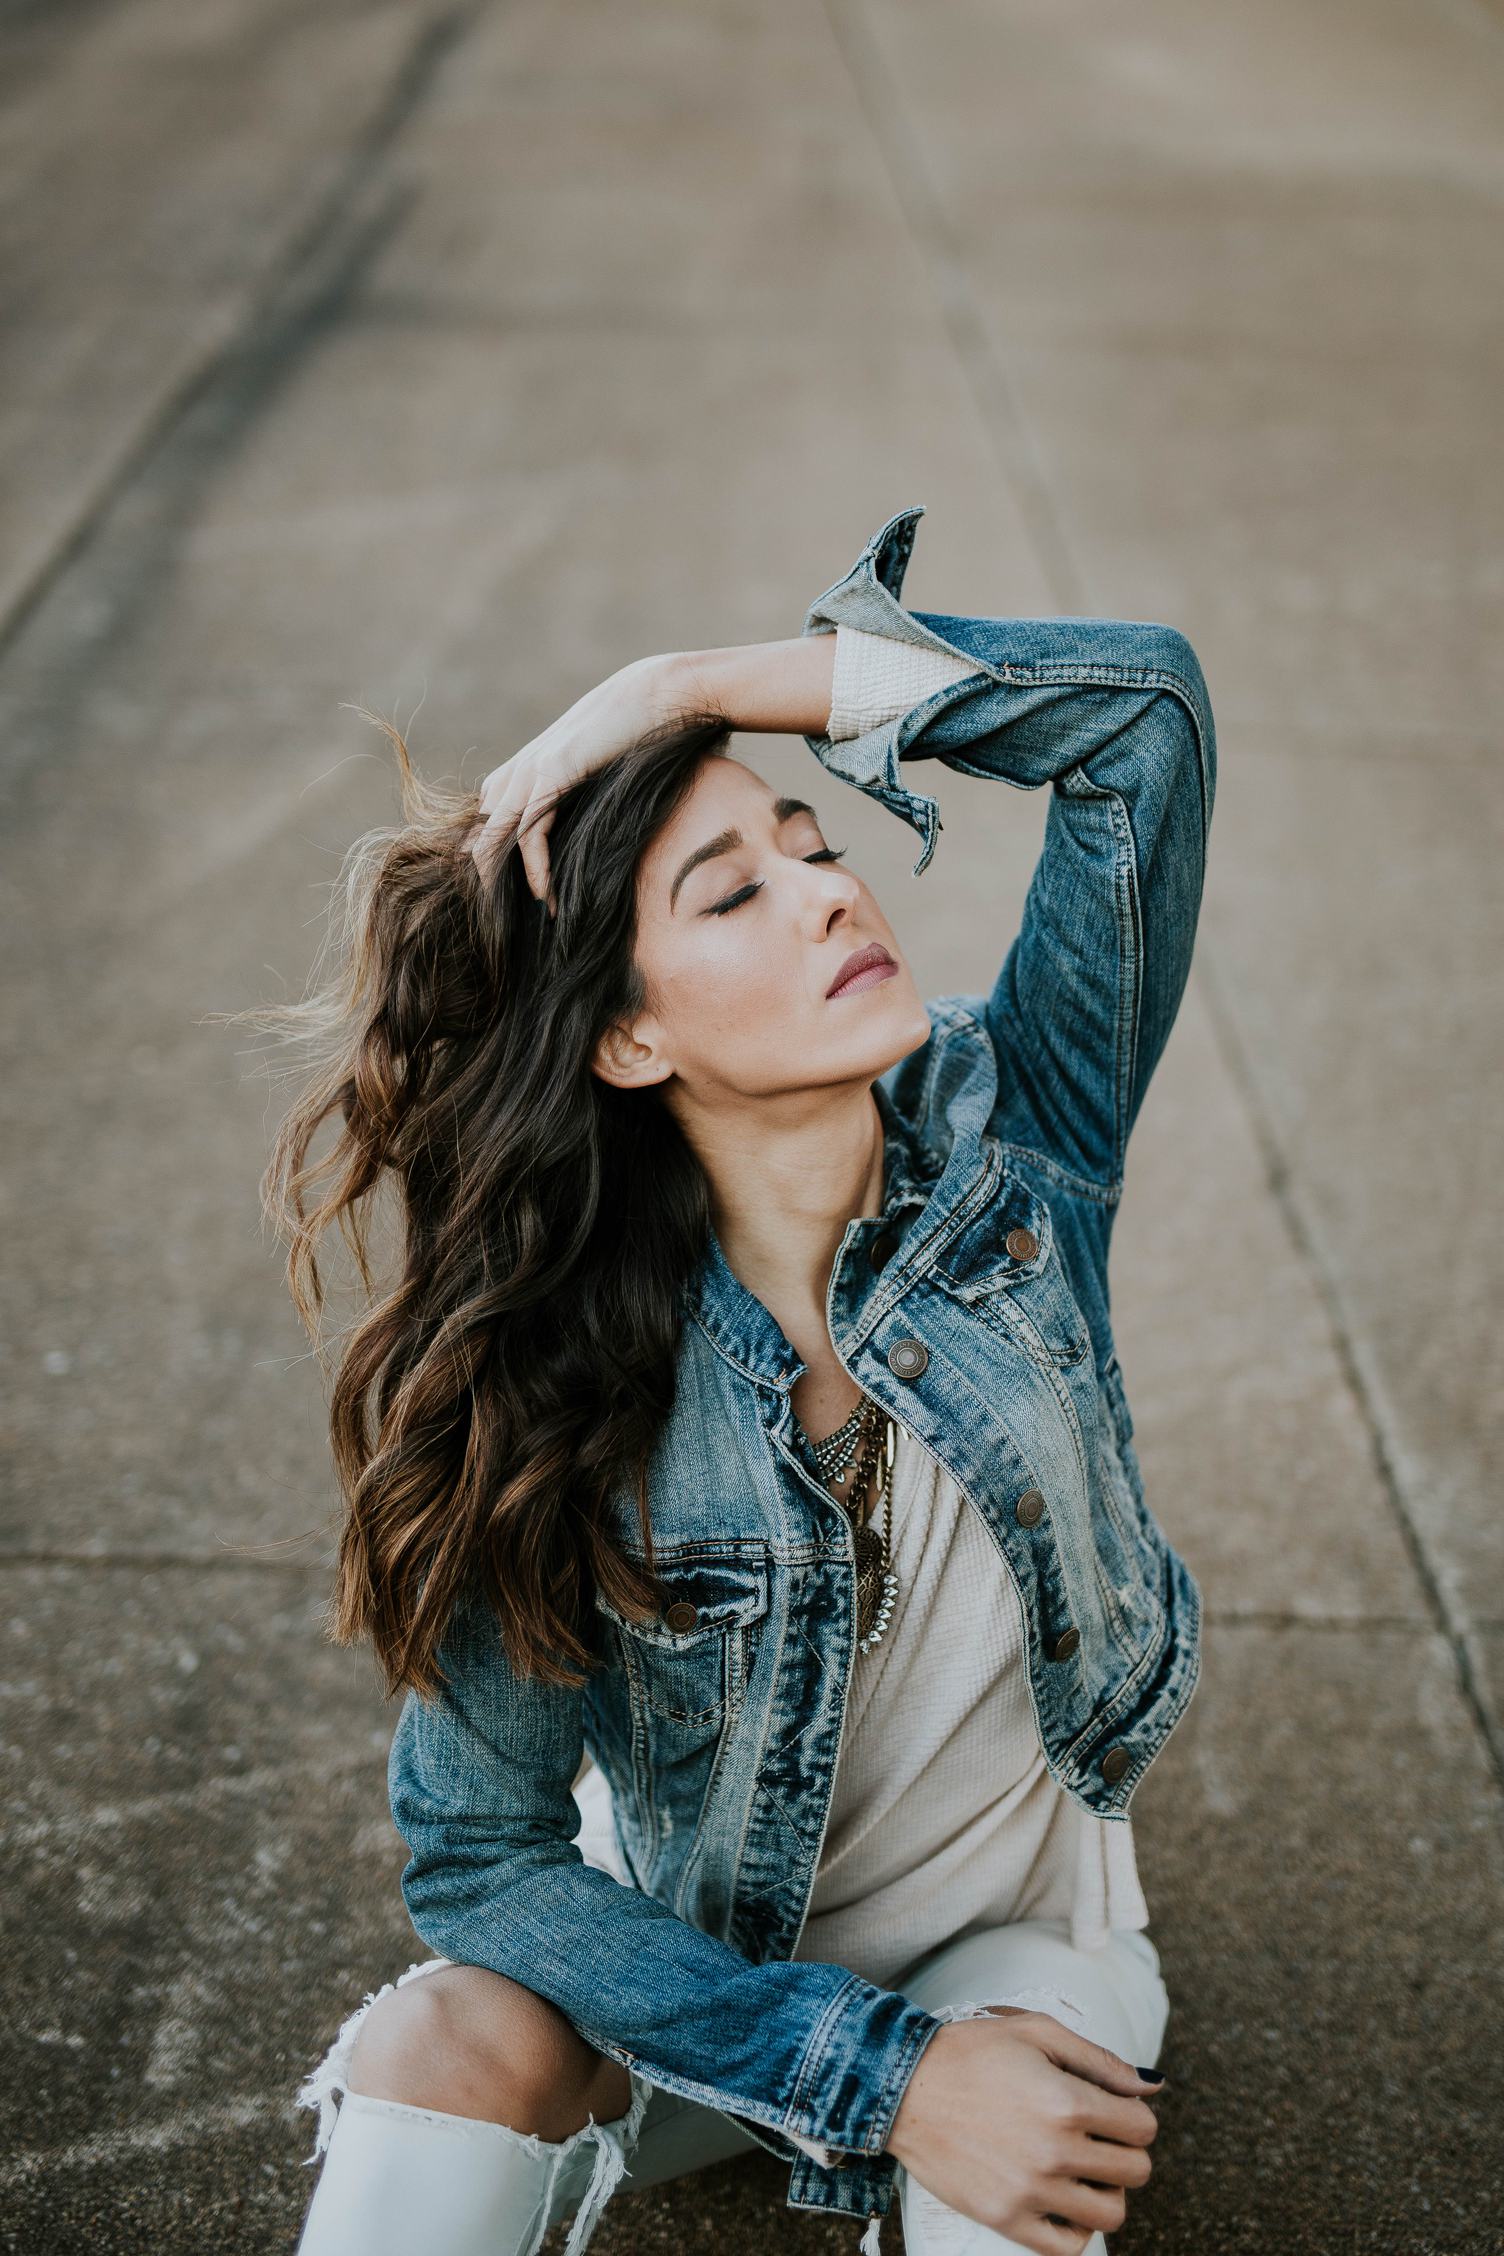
(705, 1593)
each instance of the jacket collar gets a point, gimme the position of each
(935, 1105)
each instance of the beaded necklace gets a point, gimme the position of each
(865, 1444)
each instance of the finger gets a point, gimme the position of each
(1052, 2236)
(488, 842)
(1093, 2061)
(507, 810)
(533, 844)
(1108, 2161)
(1089, 2208)
(507, 804)
(500, 781)
(1100, 2114)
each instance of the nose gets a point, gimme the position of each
(835, 893)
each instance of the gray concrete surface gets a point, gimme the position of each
(447, 356)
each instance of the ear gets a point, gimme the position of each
(628, 1057)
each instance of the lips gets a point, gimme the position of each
(874, 957)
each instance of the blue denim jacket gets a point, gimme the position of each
(974, 1307)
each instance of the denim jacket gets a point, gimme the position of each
(974, 1308)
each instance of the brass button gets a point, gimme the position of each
(1022, 1244)
(1029, 1510)
(1114, 1763)
(882, 1249)
(1065, 1645)
(907, 1358)
(682, 1615)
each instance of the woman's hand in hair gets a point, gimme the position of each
(517, 799)
(1026, 2126)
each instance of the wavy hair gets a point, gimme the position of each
(519, 1363)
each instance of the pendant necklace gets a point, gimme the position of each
(864, 1445)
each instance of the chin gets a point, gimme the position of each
(906, 1031)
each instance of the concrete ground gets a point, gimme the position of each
(445, 356)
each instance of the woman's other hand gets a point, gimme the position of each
(517, 799)
(1017, 2121)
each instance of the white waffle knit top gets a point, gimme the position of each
(944, 1816)
(876, 678)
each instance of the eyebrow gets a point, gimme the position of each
(725, 840)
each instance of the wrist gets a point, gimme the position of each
(661, 687)
(907, 2114)
(761, 687)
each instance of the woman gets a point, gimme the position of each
(739, 1475)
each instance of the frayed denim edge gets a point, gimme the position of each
(331, 2077)
(329, 2082)
(1038, 1998)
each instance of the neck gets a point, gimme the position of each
(783, 1194)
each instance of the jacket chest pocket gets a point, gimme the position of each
(1005, 1267)
(691, 1660)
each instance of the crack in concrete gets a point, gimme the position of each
(997, 404)
(1280, 1178)
(277, 318)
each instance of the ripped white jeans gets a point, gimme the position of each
(397, 2177)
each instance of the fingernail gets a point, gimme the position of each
(1151, 2075)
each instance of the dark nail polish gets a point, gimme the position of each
(1151, 2075)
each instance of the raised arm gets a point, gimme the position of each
(1114, 714)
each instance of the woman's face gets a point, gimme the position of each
(745, 923)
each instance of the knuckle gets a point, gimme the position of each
(1060, 2103)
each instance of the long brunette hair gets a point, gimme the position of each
(521, 1361)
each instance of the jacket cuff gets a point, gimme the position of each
(857, 2071)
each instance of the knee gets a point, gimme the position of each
(468, 2041)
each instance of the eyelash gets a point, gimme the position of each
(745, 892)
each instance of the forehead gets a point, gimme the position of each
(721, 783)
(725, 793)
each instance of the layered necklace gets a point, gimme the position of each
(847, 1460)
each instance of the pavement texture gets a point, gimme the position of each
(446, 357)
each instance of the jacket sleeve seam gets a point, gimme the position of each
(798, 2114)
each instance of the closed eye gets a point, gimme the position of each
(745, 892)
